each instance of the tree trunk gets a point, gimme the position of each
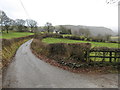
(48, 29)
(7, 30)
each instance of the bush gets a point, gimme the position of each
(39, 47)
(105, 49)
(59, 51)
(41, 36)
(72, 37)
(113, 41)
(78, 50)
(77, 38)
(6, 42)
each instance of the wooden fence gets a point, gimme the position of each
(111, 55)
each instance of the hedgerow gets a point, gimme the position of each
(45, 35)
(59, 51)
(69, 54)
(9, 47)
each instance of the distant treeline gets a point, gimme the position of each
(20, 25)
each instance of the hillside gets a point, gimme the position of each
(93, 30)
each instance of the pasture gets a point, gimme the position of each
(94, 44)
(14, 34)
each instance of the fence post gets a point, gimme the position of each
(95, 56)
(118, 56)
(110, 56)
(87, 55)
(103, 57)
(115, 56)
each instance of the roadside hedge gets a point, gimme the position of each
(59, 51)
(83, 38)
(9, 47)
(73, 55)
(45, 35)
(105, 49)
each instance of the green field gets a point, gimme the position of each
(14, 34)
(98, 44)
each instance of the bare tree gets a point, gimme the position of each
(84, 32)
(64, 30)
(5, 21)
(75, 32)
(20, 23)
(112, 1)
(32, 24)
(107, 37)
(48, 27)
(8, 23)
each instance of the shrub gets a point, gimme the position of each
(77, 38)
(59, 51)
(41, 36)
(38, 46)
(113, 41)
(100, 48)
(78, 50)
(6, 42)
(72, 37)
(105, 49)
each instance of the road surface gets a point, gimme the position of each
(27, 71)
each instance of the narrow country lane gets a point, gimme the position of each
(27, 71)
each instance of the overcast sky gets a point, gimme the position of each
(60, 12)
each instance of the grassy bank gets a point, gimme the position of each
(9, 48)
(94, 44)
(14, 34)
